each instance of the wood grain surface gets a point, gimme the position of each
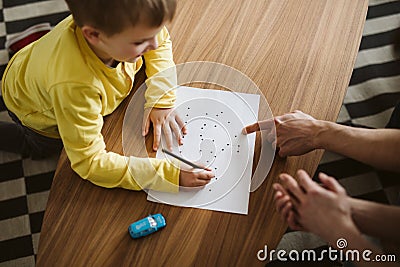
(299, 53)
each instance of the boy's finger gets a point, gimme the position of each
(145, 125)
(201, 182)
(203, 167)
(177, 132)
(206, 175)
(168, 135)
(181, 124)
(157, 136)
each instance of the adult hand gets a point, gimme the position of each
(325, 211)
(284, 206)
(266, 125)
(163, 120)
(296, 132)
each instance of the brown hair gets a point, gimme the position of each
(112, 16)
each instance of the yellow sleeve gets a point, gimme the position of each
(160, 70)
(77, 109)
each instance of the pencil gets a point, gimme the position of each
(182, 159)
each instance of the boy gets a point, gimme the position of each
(59, 88)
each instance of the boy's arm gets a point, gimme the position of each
(161, 73)
(160, 94)
(77, 109)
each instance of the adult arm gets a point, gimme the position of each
(376, 219)
(298, 133)
(376, 147)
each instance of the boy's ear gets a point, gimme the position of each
(91, 34)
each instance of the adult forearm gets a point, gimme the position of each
(376, 147)
(378, 220)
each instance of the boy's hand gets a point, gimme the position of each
(164, 119)
(195, 177)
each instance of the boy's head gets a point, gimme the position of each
(121, 30)
(113, 16)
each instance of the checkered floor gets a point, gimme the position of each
(24, 189)
(374, 90)
(24, 183)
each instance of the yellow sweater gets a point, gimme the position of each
(58, 87)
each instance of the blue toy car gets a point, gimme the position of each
(146, 226)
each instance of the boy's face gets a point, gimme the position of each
(128, 45)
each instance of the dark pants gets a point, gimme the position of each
(16, 138)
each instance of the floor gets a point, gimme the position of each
(373, 91)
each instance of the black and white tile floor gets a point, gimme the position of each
(374, 90)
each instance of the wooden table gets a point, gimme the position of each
(300, 54)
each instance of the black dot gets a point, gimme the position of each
(229, 122)
(227, 144)
(222, 112)
(205, 124)
(201, 135)
(188, 107)
(235, 136)
(209, 190)
(238, 145)
(216, 115)
(206, 113)
(238, 151)
(213, 140)
(187, 115)
(215, 125)
(222, 149)
(202, 128)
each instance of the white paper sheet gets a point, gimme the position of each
(214, 120)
